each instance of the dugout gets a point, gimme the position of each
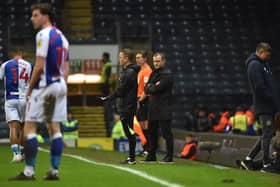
(227, 148)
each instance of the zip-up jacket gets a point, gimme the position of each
(126, 90)
(261, 85)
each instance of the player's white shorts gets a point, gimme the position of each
(15, 110)
(35, 104)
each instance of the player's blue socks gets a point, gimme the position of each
(31, 147)
(56, 150)
(14, 148)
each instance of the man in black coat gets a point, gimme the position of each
(159, 89)
(264, 101)
(126, 92)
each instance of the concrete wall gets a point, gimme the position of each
(232, 147)
(94, 52)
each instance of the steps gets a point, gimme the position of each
(91, 121)
(77, 19)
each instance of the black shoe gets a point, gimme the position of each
(150, 160)
(130, 161)
(51, 176)
(22, 177)
(247, 164)
(167, 160)
(270, 169)
(142, 153)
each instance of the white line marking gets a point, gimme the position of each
(129, 170)
(218, 166)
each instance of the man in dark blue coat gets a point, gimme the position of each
(159, 89)
(264, 101)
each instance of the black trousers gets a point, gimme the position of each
(165, 126)
(277, 161)
(263, 143)
(127, 124)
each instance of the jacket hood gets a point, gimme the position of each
(135, 67)
(252, 57)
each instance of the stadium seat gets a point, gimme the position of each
(205, 41)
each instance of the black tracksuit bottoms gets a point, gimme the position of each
(127, 123)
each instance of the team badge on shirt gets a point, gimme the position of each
(146, 79)
(39, 43)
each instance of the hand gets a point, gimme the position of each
(138, 105)
(28, 93)
(147, 88)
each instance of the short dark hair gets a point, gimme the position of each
(190, 135)
(128, 53)
(240, 108)
(264, 46)
(106, 55)
(144, 53)
(160, 54)
(45, 9)
(20, 51)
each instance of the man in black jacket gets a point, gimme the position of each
(264, 101)
(126, 92)
(159, 89)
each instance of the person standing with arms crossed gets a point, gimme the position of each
(126, 92)
(264, 102)
(142, 105)
(159, 89)
(16, 73)
(47, 92)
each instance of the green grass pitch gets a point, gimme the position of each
(88, 167)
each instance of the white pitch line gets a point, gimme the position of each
(129, 170)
